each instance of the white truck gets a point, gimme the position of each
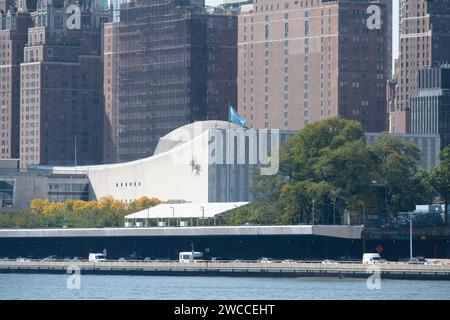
(96, 257)
(372, 258)
(190, 256)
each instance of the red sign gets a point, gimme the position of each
(379, 248)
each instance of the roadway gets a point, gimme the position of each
(392, 270)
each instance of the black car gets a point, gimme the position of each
(417, 260)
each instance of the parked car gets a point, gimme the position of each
(49, 258)
(328, 261)
(265, 260)
(433, 263)
(121, 260)
(147, 259)
(349, 259)
(20, 259)
(288, 261)
(216, 259)
(417, 260)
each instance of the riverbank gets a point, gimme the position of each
(232, 269)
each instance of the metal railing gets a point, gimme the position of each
(245, 264)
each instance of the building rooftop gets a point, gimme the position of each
(186, 210)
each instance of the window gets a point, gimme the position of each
(6, 193)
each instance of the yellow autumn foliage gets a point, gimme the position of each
(104, 204)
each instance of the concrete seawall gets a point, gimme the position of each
(236, 269)
(337, 231)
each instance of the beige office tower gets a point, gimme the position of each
(61, 88)
(424, 28)
(302, 61)
(13, 37)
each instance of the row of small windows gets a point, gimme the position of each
(128, 184)
(302, 3)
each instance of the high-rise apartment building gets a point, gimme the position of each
(302, 61)
(424, 28)
(14, 23)
(62, 84)
(167, 63)
(430, 107)
(5, 5)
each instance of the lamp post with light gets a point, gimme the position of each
(173, 214)
(203, 214)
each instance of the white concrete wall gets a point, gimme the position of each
(27, 188)
(167, 176)
(353, 232)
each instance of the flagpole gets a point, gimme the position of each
(228, 155)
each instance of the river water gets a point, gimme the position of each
(48, 286)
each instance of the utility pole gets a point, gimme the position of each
(410, 239)
(75, 157)
(313, 209)
(334, 213)
(386, 199)
(203, 215)
(364, 213)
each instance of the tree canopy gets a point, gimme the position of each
(327, 169)
(106, 212)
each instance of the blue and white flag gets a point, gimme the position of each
(235, 117)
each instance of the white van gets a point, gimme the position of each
(189, 256)
(372, 258)
(96, 257)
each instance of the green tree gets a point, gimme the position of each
(327, 168)
(326, 161)
(397, 165)
(440, 178)
(244, 214)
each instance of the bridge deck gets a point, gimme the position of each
(339, 231)
(275, 269)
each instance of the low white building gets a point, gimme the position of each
(182, 214)
(208, 161)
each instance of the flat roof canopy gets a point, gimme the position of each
(186, 210)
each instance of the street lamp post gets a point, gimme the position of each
(173, 214)
(364, 213)
(334, 212)
(410, 239)
(203, 214)
(386, 199)
(313, 208)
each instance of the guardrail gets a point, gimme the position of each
(222, 264)
(253, 268)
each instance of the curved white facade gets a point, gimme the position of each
(177, 171)
(192, 163)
